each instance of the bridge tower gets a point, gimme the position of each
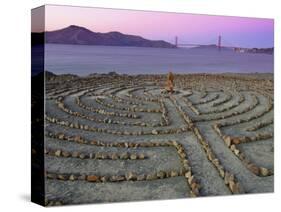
(219, 43)
(176, 41)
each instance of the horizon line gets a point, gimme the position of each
(206, 44)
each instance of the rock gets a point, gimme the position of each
(75, 154)
(141, 177)
(174, 174)
(191, 180)
(216, 162)
(154, 132)
(141, 156)
(72, 177)
(77, 138)
(161, 174)
(130, 176)
(104, 178)
(133, 156)
(151, 177)
(92, 178)
(194, 186)
(264, 171)
(114, 156)
(236, 152)
(221, 171)
(65, 154)
(62, 177)
(227, 140)
(236, 140)
(98, 155)
(232, 147)
(82, 155)
(117, 178)
(188, 175)
(253, 168)
(228, 177)
(124, 156)
(104, 155)
(234, 187)
(58, 153)
(61, 136)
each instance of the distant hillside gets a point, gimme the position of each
(80, 35)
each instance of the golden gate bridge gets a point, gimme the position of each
(218, 44)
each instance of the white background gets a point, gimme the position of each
(15, 104)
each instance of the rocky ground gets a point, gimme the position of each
(120, 138)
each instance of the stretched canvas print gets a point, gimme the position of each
(139, 105)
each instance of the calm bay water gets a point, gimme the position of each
(83, 60)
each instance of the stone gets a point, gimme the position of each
(174, 174)
(141, 156)
(65, 154)
(227, 177)
(104, 178)
(221, 171)
(227, 140)
(75, 154)
(72, 177)
(161, 174)
(141, 177)
(232, 147)
(61, 136)
(236, 151)
(77, 138)
(194, 186)
(151, 177)
(117, 178)
(154, 132)
(61, 177)
(124, 156)
(264, 171)
(191, 180)
(130, 176)
(82, 155)
(133, 156)
(58, 153)
(104, 155)
(234, 187)
(253, 168)
(92, 178)
(188, 175)
(236, 140)
(114, 156)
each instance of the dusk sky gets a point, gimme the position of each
(202, 29)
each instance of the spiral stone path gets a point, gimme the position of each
(122, 138)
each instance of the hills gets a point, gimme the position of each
(83, 36)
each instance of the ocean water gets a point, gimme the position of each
(83, 60)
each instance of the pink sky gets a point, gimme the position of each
(204, 29)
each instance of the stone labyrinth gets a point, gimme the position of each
(121, 138)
